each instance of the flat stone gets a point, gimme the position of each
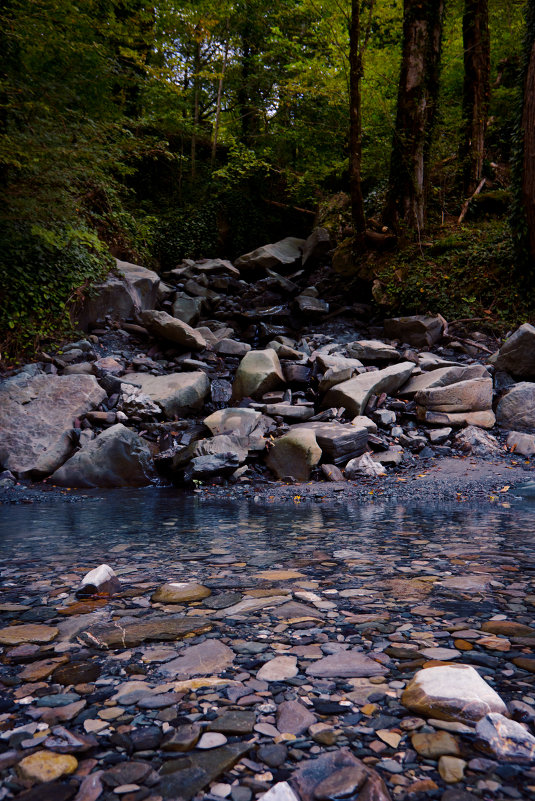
(175, 393)
(186, 308)
(184, 777)
(373, 350)
(27, 632)
(131, 772)
(175, 592)
(252, 604)
(170, 627)
(505, 739)
(278, 669)
(509, 628)
(485, 419)
(170, 328)
(441, 377)
(434, 744)
(183, 738)
(234, 722)
(346, 664)
(442, 654)
(209, 657)
(293, 717)
(259, 372)
(344, 782)
(353, 395)
(159, 700)
(474, 395)
(46, 766)
(469, 584)
(279, 575)
(452, 692)
(365, 465)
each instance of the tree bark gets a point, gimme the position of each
(416, 112)
(476, 92)
(528, 174)
(195, 105)
(355, 121)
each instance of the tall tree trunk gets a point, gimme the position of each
(355, 121)
(528, 129)
(219, 96)
(476, 92)
(416, 111)
(195, 108)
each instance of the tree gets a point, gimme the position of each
(476, 92)
(355, 120)
(416, 111)
(528, 132)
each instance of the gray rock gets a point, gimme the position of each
(517, 355)
(230, 347)
(474, 440)
(288, 411)
(127, 634)
(441, 377)
(392, 456)
(294, 455)
(285, 253)
(338, 774)
(316, 247)
(116, 458)
(439, 435)
(312, 307)
(37, 414)
(259, 372)
(354, 394)
(345, 664)
(208, 466)
(120, 296)
(474, 395)
(485, 419)
(208, 658)
(516, 409)
(373, 350)
(363, 466)
(334, 376)
(240, 422)
(187, 309)
(183, 778)
(338, 442)
(505, 739)
(293, 717)
(523, 444)
(418, 330)
(167, 327)
(175, 393)
(328, 361)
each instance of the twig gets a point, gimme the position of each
(467, 202)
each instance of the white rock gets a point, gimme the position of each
(278, 669)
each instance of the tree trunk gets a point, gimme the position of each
(476, 92)
(416, 111)
(528, 129)
(195, 109)
(355, 120)
(219, 96)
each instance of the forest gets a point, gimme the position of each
(158, 132)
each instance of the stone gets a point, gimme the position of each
(372, 350)
(240, 422)
(509, 628)
(451, 769)
(293, 717)
(484, 419)
(233, 722)
(331, 472)
(176, 393)
(251, 605)
(285, 253)
(278, 669)
(133, 401)
(259, 372)
(211, 740)
(435, 744)
(316, 247)
(474, 395)
(130, 289)
(294, 455)
(346, 664)
(288, 411)
(118, 457)
(364, 422)
(439, 435)
(183, 738)
(99, 581)
(392, 456)
(522, 444)
(166, 327)
(311, 307)
(467, 584)
(230, 347)
(76, 673)
(207, 466)
(505, 739)
(326, 361)
(175, 592)
(344, 782)
(184, 777)
(187, 309)
(364, 466)
(451, 692)
(37, 414)
(442, 377)
(338, 442)
(27, 632)
(128, 635)
(46, 766)
(42, 668)
(353, 395)
(516, 409)
(517, 355)
(329, 773)
(208, 658)
(418, 330)
(473, 440)
(126, 773)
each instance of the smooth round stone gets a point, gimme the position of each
(278, 669)
(451, 769)
(175, 592)
(45, 766)
(221, 790)
(211, 739)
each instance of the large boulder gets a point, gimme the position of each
(116, 458)
(338, 442)
(167, 327)
(517, 355)
(285, 253)
(37, 413)
(240, 422)
(294, 455)
(316, 247)
(516, 410)
(186, 308)
(354, 394)
(175, 393)
(259, 372)
(130, 289)
(474, 395)
(418, 330)
(442, 377)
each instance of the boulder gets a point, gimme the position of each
(338, 442)
(294, 455)
(285, 253)
(354, 394)
(37, 414)
(505, 740)
(373, 350)
(170, 328)
(259, 372)
(484, 419)
(175, 393)
(240, 422)
(418, 330)
(523, 444)
(311, 307)
(442, 377)
(335, 361)
(116, 458)
(517, 355)
(130, 289)
(187, 309)
(226, 447)
(516, 409)
(451, 692)
(316, 247)
(474, 395)
(231, 347)
(474, 440)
